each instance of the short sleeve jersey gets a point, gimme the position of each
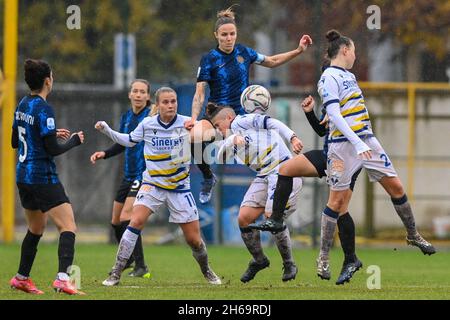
(134, 156)
(228, 74)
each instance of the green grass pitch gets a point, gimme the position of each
(405, 274)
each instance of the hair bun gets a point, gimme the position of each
(211, 108)
(227, 13)
(333, 35)
(30, 62)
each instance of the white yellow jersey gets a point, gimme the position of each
(264, 149)
(167, 152)
(338, 85)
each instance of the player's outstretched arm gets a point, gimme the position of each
(120, 138)
(54, 148)
(279, 59)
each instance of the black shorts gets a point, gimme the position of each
(319, 161)
(127, 189)
(42, 196)
(354, 177)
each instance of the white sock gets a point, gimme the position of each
(62, 276)
(126, 247)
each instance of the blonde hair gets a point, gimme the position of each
(153, 110)
(225, 17)
(163, 90)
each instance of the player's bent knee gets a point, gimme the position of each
(137, 223)
(284, 170)
(337, 204)
(243, 221)
(39, 230)
(194, 242)
(393, 186)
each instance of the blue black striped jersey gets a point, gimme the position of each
(134, 157)
(34, 119)
(228, 74)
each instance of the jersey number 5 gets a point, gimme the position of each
(22, 133)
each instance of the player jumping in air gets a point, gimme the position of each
(225, 69)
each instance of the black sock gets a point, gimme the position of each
(122, 227)
(118, 232)
(66, 250)
(346, 228)
(281, 196)
(204, 168)
(28, 253)
(138, 253)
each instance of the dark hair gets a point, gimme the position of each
(144, 82)
(325, 63)
(213, 110)
(224, 17)
(336, 40)
(35, 73)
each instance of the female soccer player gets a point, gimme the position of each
(139, 96)
(258, 141)
(313, 164)
(352, 146)
(41, 193)
(225, 70)
(165, 182)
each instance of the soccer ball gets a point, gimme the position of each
(255, 99)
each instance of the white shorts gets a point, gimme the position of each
(261, 191)
(182, 207)
(343, 162)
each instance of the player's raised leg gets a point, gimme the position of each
(298, 166)
(394, 188)
(203, 131)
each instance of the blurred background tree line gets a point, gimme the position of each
(171, 35)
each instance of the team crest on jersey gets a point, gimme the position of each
(51, 124)
(155, 131)
(240, 59)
